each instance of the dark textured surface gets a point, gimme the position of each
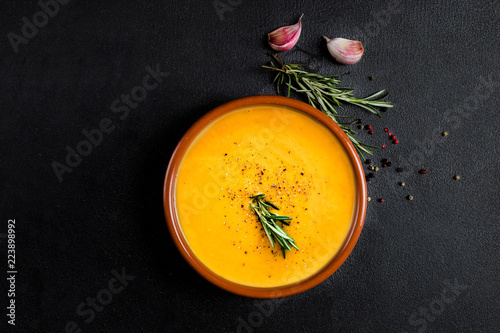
(107, 213)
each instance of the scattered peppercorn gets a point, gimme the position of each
(399, 169)
(369, 127)
(383, 109)
(410, 197)
(457, 177)
(444, 133)
(393, 137)
(381, 200)
(371, 175)
(383, 146)
(360, 121)
(390, 133)
(361, 127)
(371, 167)
(370, 132)
(402, 184)
(386, 163)
(423, 171)
(368, 161)
(376, 169)
(372, 78)
(395, 142)
(386, 129)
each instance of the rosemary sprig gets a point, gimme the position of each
(323, 93)
(274, 232)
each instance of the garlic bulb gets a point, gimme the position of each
(345, 51)
(284, 38)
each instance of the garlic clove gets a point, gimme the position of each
(284, 38)
(345, 51)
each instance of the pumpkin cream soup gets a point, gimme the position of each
(299, 165)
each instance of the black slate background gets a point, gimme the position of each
(107, 214)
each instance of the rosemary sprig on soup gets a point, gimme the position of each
(274, 232)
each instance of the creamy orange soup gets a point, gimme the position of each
(293, 159)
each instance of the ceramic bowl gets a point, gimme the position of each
(182, 244)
